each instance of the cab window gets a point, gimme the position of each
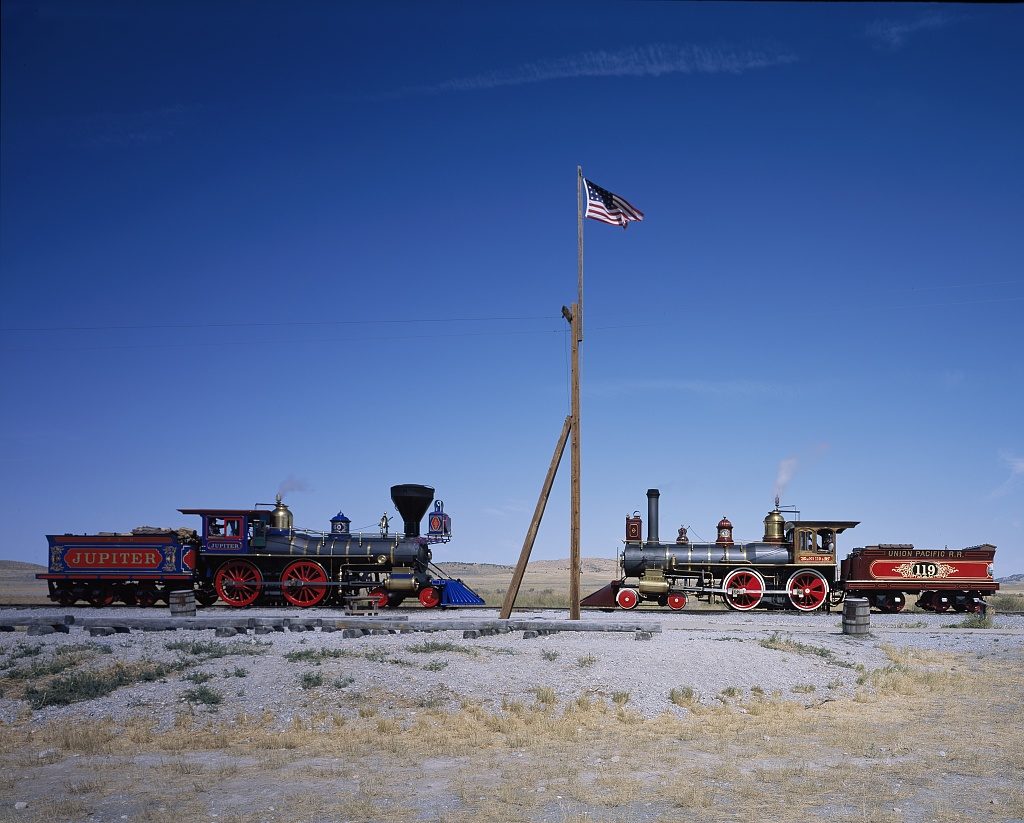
(223, 527)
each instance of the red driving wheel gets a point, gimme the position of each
(743, 589)
(380, 594)
(807, 590)
(304, 583)
(238, 583)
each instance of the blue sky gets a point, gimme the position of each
(324, 247)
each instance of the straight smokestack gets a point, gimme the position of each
(652, 516)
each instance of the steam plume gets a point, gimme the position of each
(292, 484)
(789, 465)
(787, 468)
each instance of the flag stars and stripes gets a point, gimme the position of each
(609, 208)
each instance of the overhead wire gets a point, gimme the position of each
(277, 323)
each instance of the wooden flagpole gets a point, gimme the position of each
(576, 325)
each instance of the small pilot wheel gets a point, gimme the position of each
(380, 594)
(627, 598)
(677, 601)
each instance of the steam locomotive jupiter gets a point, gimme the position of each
(246, 556)
(795, 565)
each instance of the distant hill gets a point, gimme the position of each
(11, 566)
(18, 582)
(1013, 578)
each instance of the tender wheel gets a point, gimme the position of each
(380, 594)
(924, 601)
(146, 597)
(744, 589)
(430, 597)
(627, 598)
(808, 590)
(66, 597)
(206, 595)
(304, 583)
(238, 583)
(941, 601)
(892, 603)
(101, 596)
(677, 601)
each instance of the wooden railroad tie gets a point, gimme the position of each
(362, 605)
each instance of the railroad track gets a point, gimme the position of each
(221, 610)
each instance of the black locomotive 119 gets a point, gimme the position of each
(795, 565)
(245, 556)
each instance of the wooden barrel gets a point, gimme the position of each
(183, 604)
(856, 616)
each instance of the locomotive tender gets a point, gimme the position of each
(242, 555)
(795, 565)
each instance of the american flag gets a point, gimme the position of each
(610, 208)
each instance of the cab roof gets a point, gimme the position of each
(836, 525)
(224, 512)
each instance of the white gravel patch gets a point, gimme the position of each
(716, 654)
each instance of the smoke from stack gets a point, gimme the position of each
(292, 484)
(789, 465)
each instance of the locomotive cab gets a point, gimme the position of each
(814, 541)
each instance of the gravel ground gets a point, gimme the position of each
(708, 652)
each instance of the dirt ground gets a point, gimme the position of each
(926, 736)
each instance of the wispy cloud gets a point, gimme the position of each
(892, 34)
(952, 378)
(638, 61)
(1016, 466)
(510, 508)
